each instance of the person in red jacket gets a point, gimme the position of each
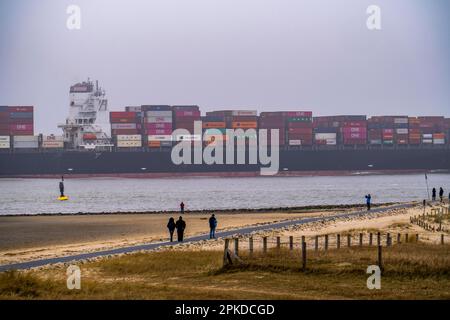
(182, 207)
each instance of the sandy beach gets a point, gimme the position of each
(26, 238)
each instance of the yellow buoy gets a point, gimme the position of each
(63, 198)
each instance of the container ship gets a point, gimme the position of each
(138, 141)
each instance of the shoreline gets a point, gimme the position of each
(244, 174)
(300, 209)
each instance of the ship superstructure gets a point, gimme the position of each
(87, 126)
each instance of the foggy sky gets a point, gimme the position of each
(313, 55)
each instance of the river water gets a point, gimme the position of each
(33, 196)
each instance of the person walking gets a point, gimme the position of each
(181, 226)
(368, 199)
(441, 194)
(182, 207)
(171, 227)
(433, 194)
(61, 188)
(212, 226)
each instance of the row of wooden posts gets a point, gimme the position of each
(418, 220)
(228, 259)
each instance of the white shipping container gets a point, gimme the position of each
(400, 120)
(129, 137)
(5, 139)
(129, 144)
(5, 145)
(241, 113)
(325, 136)
(26, 138)
(427, 141)
(188, 137)
(439, 141)
(26, 144)
(53, 138)
(427, 136)
(159, 119)
(123, 126)
(52, 144)
(402, 131)
(160, 138)
(159, 114)
(295, 142)
(375, 141)
(331, 142)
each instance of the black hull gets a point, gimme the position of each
(122, 163)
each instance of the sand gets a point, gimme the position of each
(28, 238)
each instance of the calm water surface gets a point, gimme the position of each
(32, 196)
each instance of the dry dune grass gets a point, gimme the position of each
(411, 271)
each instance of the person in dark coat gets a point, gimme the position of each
(171, 227)
(212, 226)
(61, 188)
(368, 199)
(181, 226)
(433, 194)
(182, 207)
(441, 194)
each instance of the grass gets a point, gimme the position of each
(411, 271)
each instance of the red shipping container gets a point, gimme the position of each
(388, 131)
(159, 131)
(355, 124)
(123, 120)
(353, 130)
(5, 126)
(354, 135)
(299, 136)
(4, 115)
(21, 109)
(21, 127)
(355, 141)
(122, 114)
(21, 133)
(159, 125)
(189, 113)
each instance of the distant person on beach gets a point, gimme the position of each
(180, 225)
(171, 227)
(182, 207)
(433, 194)
(368, 199)
(212, 226)
(441, 194)
(61, 188)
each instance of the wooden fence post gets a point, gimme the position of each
(380, 258)
(326, 242)
(291, 243)
(398, 238)
(303, 239)
(442, 238)
(278, 243)
(360, 239)
(250, 244)
(417, 237)
(388, 239)
(265, 244)
(316, 243)
(236, 246)
(338, 241)
(304, 256)
(406, 238)
(378, 238)
(370, 238)
(226, 256)
(349, 240)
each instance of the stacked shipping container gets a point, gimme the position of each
(158, 125)
(125, 126)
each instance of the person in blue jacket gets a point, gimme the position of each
(212, 226)
(368, 199)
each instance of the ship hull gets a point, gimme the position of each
(157, 164)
